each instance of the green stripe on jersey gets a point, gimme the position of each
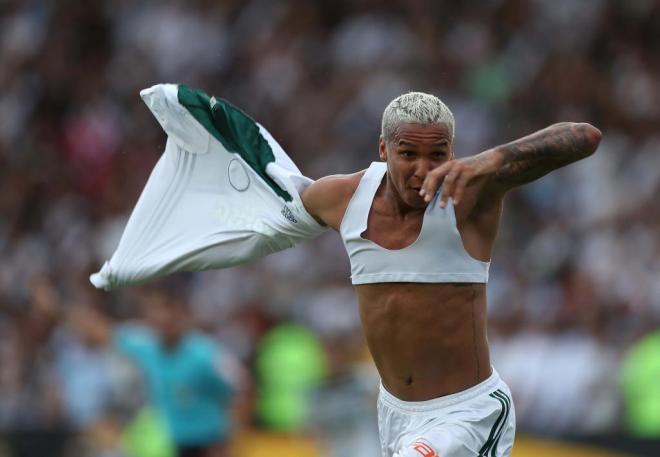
(237, 131)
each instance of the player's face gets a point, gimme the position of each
(415, 150)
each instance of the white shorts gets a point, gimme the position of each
(477, 422)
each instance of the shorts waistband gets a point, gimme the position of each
(445, 401)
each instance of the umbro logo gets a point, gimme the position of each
(286, 212)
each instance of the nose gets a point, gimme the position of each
(422, 167)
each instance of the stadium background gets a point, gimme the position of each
(575, 290)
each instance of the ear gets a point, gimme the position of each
(382, 149)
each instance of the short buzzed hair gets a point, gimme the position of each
(415, 108)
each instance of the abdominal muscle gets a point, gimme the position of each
(427, 340)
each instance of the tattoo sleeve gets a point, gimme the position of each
(535, 155)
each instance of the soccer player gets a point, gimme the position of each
(419, 229)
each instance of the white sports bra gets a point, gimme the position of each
(436, 256)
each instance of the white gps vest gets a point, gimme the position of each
(436, 256)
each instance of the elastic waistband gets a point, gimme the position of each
(483, 387)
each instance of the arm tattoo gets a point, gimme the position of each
(535, 155)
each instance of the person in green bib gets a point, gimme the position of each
(640, 383)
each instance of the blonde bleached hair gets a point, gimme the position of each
(415, 108)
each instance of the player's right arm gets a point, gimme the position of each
(327, 199)
(516, 163)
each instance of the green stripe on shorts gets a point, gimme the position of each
(498, 426)
(507, 403)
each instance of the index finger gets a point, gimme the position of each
(432, 181)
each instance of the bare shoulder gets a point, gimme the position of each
(327, 198)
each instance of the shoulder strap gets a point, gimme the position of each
(357, 211)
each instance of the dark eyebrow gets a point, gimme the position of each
(442, 143)
(407, 143)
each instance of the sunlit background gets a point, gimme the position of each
(574, 295)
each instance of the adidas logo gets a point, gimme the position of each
(286, 212)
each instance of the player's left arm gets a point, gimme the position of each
(513, 164)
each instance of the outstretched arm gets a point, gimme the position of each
(536, 155)
(515, 163)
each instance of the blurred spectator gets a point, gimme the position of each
(101, 389)
(31, 408)
(641, 389)
(191, 379)
(290, 366)
(99, 380)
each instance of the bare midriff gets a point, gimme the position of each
(427, 340)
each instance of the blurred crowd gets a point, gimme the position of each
(574, 294)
